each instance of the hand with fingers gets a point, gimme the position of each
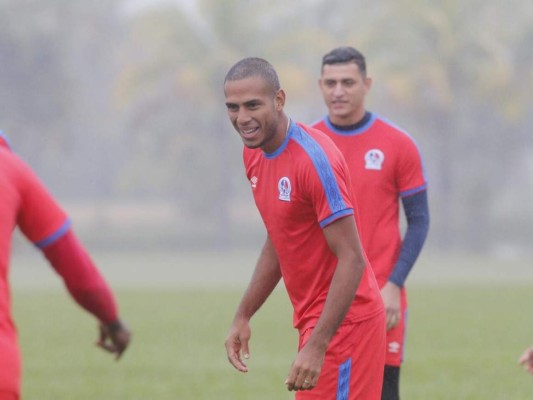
(114, 338)
(526, 360)
(305, 369)
(237, 344)
(391, 295)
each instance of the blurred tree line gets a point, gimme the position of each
(118, 106)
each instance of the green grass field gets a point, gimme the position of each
(464, 335)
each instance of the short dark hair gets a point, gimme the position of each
(344, 55)
(254, 66)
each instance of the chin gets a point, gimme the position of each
(252, 145)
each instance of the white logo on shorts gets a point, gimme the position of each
(394, 347)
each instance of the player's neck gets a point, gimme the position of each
(347, 125)
(281, 134)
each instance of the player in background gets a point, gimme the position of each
(385, 166)
(25, 202)
(301, 188)
(526, 360)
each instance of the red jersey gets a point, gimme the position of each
(26, 203)
(385, 165)
(299, 189)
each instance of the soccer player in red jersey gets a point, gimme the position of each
(385, 166)
(301, 188)
(25, 202)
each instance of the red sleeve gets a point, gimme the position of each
(40, 217)
(410, 173)
(81, 277)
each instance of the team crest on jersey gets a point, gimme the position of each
(253, 181)
(374, 159)
(284, 187)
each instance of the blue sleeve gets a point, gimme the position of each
(417, 214)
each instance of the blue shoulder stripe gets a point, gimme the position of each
(323, 168)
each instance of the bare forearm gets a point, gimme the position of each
(265, 278)
(343, 240)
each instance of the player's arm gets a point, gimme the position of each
(265, 278)
(416, 211)
(343, 239)
(45, 224)
(89, 289)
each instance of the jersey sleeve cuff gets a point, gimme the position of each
(54, 236)
(336, 216)
(415, 190)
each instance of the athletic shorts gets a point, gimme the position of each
(353, 365)
(396, 336)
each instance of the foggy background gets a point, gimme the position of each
(118, 107)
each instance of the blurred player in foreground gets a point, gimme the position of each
(385, 166)
(301, 187)
(25, 202)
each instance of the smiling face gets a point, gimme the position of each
(256, 111)
(344, 89)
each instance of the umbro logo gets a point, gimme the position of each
(394, 347)
(253, 181)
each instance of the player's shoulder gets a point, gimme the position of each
(391, 128)
(318, 145)
(8, 156)
(4, 142)
(317, 135)
(6, 152)
(393, 132)
(13, 165)
(319, 123)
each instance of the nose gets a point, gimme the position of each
(243, 117)
(337, 90)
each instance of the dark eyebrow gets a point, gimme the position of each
(248, 103)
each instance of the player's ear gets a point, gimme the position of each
(280, 100)
(368, 83)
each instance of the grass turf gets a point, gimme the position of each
(463, 343)
(463, 339)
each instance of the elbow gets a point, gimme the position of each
(359, 262)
